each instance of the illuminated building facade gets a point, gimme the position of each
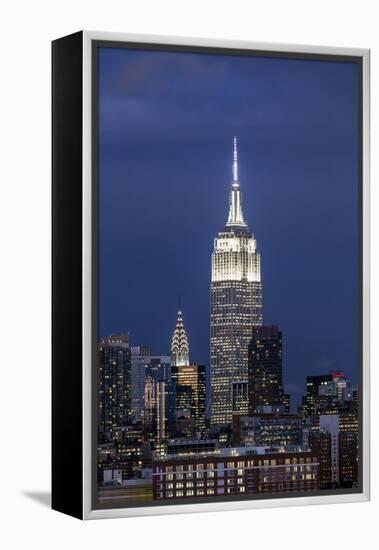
(236, 306)
(328, 393)
(190, 384)
(114, 398)
(267, 430)
(338, 434)
(236, 472)
(320, 442)
(190, 389)
(179, 343)
(122, 455)
(265, 368)
(139, 358)
(348, 448)
(159, 400)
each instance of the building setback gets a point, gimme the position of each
(235, 307)
(247, 474)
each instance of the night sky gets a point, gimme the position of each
(166, 127)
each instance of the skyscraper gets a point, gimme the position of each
(159, 401)
(309, 401)
(327, 393)
(236, 306)
(179, 343)
(265, 367)
(190, 383)
(114, 403)
(143, 359)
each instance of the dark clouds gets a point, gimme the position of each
(167, 121)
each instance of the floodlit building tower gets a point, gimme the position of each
(236, 306)
(179, 343)
(190, 383)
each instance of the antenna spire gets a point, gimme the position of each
(235, 216)
(235, 161)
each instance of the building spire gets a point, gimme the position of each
(179, 343)
(235, 162)
(235, 217)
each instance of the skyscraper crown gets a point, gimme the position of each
(235, 217)
(179, 343)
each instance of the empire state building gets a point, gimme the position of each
(236, 306)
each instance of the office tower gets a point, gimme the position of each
(327, 394)
(190, 384)
(319, 441)
(348, 448)
(265, 368)
(142, 358)
(334, 436)
(330, 424)
(139, 357)
(114, 408)
(190, 387)
(159, 401)
(236, 306)
(314, 383)
(162, 413)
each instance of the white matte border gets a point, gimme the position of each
(88, 512)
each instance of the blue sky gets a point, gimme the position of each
(166, 127)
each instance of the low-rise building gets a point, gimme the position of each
(236, 472)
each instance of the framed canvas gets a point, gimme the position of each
(210, 275)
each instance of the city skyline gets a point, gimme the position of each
(186, 195)
(223, 269)
(176, 422)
